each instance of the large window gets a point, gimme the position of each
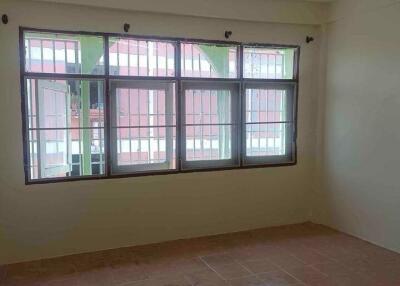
(100, 106)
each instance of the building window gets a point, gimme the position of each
(66, 133)
(268, 63)
(98, 105)
(208, 60)
(210, 124)
(135, 57)
(143, 126)
(269, 123)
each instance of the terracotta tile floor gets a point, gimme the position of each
(304, 254)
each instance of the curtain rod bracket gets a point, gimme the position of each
(309, 39)
(4, 19)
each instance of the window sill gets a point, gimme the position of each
(154, 173)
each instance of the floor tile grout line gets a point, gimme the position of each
(212, 269)
(130, 282)
(247, 269)
(337, 261)
(316, 269)
(188, 281)
(250, 273)
(283, 270)
(214, 254)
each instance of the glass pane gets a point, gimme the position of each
(208, 142)
(268, 63)
(65, 153)
(33, 155)
(266, 105)
(267, 139)
(146, 146)
(134, 57)
(209, 61)
(137, 105)
(64, 103)
(144, 125)
(208, 106)
(63, 53)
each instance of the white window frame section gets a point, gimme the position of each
(290, 89)
(233, 88)
(66, 166)
(167, 87)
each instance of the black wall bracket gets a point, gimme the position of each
(4, 19)
(309, 39)
(126, 27)
(228, 34)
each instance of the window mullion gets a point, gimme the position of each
(178, 107)
(107, 107)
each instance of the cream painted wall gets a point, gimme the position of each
(277, 11)
(62, 218)
(359, 190)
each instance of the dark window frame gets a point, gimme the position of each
(107, 78)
